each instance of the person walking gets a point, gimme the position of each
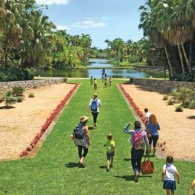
(81, 139)
(138, 140)
(95, 83)
(110, 149)
(168, 179)
(147, 115)
(94, 106)
(152, 128)
(192, 187)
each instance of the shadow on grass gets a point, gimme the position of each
(102, 167)
(131, 177)
(127, 159)
(72, 165)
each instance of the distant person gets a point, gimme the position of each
(147, 115)
(110, 81)
(103, 71)
(105, 82)
(91, 80)
(82, 139)
(192, 187)
(95, 83)
(110, 149)
(168, 176)
(152, 127)
(138, 141)
(94, 106)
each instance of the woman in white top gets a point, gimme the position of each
(94, 106)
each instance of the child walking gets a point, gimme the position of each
(168, 176)
(110, 149)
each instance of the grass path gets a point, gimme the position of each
(55, 171)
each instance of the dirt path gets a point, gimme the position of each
(176, 127)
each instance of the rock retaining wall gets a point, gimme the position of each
(161, 85)
(31, 84)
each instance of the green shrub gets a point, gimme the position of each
(9, 99)
(179, 109)
(17, 91)
(31, 95)
(186, 104)
(19, 99)
(170, 102)
(165, 97)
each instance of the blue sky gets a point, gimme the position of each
(101, 19)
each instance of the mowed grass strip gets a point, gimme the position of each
(55, 168)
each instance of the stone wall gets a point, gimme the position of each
(161, 85)
(31, 84)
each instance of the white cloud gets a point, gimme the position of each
(50, 2)
(88, 23)
(62, 27)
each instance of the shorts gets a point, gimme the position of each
(109, 155)
(169, 185)
(153, 140)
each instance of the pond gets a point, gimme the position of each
(95, 69)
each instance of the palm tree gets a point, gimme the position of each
(148, 24)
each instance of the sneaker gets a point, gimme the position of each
(136, 177)
(107, 169)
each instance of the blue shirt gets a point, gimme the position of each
(153, 129)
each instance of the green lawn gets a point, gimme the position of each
(55, 171)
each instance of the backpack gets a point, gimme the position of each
(79, 132)
(94, 105)
(139, 142)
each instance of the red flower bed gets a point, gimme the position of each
(135, 107)
(48, 122)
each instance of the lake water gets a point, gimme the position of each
(95, 69)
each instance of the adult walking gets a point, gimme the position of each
(147, 115)
(94, 106)
(82, 139)
(152, 128)
(138, 140)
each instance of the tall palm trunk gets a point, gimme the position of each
(186, 58)
(181, 59)
(169, 63)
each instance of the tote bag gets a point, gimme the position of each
(147, 166)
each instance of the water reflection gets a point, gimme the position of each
(95, 70)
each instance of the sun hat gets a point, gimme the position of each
(84, 118)
(95, 94)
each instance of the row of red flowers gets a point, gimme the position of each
(135, 107)
(48, 122)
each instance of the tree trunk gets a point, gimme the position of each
(186, 58)
(181, 59)
(169, 63)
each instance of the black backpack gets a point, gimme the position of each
(79, 132)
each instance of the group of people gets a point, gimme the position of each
(141, 140)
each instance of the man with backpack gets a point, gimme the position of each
(81, 139)
(138, 140)
(94, 105)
